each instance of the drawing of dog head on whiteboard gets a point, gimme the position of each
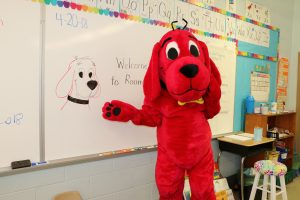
(79, 83)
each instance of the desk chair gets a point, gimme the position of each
(271, 169)
(73, 195)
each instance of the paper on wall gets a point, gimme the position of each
(282, 83)
(260, 86)
(257, 12)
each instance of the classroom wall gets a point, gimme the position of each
(286, 16)
(121, 178)
(281, 16)
(293, 71)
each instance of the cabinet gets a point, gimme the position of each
(285, 121)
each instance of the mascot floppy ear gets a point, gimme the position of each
(206, 54)
(151, 84)
(213, 94)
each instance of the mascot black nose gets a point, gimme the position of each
(92, 84)
(189, 71)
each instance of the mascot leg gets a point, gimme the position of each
(201, 178)
(169, 178)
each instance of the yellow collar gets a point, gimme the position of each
(199, 101)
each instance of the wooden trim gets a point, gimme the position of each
(298, 108)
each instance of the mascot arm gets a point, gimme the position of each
(213, 95)
(123, 112)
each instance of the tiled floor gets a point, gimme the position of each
(293, 190)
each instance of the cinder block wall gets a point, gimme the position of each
(126, 178)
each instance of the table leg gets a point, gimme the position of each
(242, 177)
(218, 162)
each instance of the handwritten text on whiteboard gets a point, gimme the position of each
(71, 20)
(1, 22)
(15, 119)
(128, 72)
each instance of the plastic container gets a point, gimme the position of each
(274, 107)
(273, 155)
(250, 104)
(258, 134)
(283, 153)
(265, 109)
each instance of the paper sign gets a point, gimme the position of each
(257, 12)
(252, 34)
(260, 86)
(282, 83)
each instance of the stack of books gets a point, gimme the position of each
(222, 190)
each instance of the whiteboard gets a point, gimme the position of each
(118, 52)
(113, 45)
(19, 82)
(223, 53)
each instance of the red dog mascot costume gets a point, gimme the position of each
(182, 90)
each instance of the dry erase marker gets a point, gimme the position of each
(151, 147)
(38, 163)
(105, 154)
(126, 150)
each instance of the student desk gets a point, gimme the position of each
(244, 149)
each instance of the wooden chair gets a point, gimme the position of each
(72, 195)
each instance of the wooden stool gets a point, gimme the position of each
(271, 169)
(73, 195)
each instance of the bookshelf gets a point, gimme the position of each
(285, 121)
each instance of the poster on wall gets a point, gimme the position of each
(260, 86)
(282, 83)
(257, 12)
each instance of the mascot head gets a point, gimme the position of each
(180, 64)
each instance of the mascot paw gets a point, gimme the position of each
(118, 111)
(110, 111)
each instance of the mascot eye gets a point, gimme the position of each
(80, 74)
(194, 48)
(172, 50)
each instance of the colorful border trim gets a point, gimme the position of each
(230, 14)
(106, 12)
(257, 56)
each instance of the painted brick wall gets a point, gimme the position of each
(124, 178)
